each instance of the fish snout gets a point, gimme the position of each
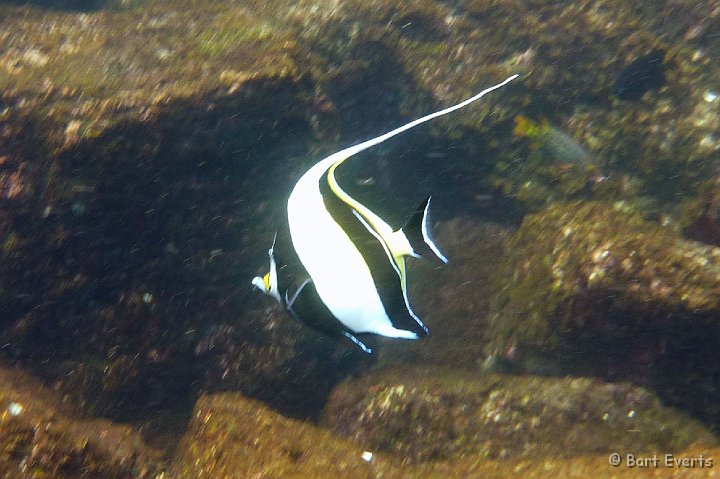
(259, 284)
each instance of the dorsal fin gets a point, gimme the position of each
(333, 161)
(341, 156)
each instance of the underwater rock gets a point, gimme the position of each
(40, 437)
(234, 437)
(432, 414)
(587, 266)
(143, 150)
(644, 74)
(605, 293)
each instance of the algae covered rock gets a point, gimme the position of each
(144, 152)
(587, 266)
(436, 414)
(137, 178)
(231, 436)
(599, 291)
(234, 437)
(40, 438)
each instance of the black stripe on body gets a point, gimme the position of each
(284, 277)
(382, 269)
(288, 266)
(306, 306)
(299, 296)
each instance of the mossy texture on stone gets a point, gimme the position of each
(569, 265)
(144, 150)
(233, 437)
(41, 439)
(436, 414)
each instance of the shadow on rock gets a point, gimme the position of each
(128, 279)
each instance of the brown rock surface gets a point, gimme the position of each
(584, 265)
(234, 437)
(41, 438)
(435, 414)
(600, 291)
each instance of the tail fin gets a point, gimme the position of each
(418, 234)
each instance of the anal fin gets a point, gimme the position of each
(357, 342)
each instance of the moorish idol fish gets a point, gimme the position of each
(351, 278)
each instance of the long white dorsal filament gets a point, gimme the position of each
(334, 160)
(374, 141)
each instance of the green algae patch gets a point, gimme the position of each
(433, 414)
(216, 41)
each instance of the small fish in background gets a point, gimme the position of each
(555, 143)
(352, 263)
(642, 75)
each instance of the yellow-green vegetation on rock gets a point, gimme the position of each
(218, 41)
(568, 261)
(601, 291)
(432, 414)
(41, 439)
(233, 437)
(97, 68)
(236, 30)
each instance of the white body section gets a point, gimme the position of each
(341, 277)
(339, 272)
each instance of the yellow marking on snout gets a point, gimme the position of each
(266, 281)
